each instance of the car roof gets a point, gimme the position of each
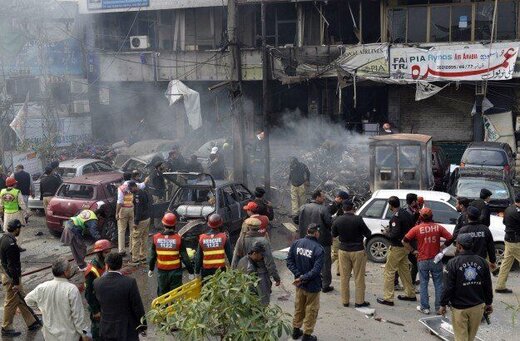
(96, 178)
(149, 157)
(401, 194)
(481, 172)
(403, 137)
(76, 163)
(486, 144)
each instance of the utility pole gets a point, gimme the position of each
(237, 111)
(266, 103)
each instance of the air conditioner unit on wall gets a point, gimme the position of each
(139, 42)
(80, 106)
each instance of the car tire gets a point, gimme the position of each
(499, 253)
(55, 233)
(109, 230)
(377, 249)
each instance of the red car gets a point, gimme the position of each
(85, 192)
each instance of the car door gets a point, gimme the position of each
(244, 196)
(103, 167)
(230, 207)
(87, 169)
(372, 214)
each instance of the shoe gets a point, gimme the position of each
(35, 326)
(382, 301)
(10, 333)
(424, 311)
(346, 305)
(361, 305)
(504, 291)
(338, 274)
(22, 249)
(296, 333)
(406, 298)
(307, 337)
(82, 269)
(327, 289)
(397, 287)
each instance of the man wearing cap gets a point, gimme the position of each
(305, 260)
(512, 244)
(49, 184)
(267, 266)
(264, 206)
(336, 207)
(11, 281)
(483, 205)
(216, 166)
(252, 209)
(467, 290)
(428, 244)
(12, 203)
(483, 244)
(351, 230)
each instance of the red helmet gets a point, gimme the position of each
(215, 221)
(169, 219)
(426, 213)
(10, 182)
(102, 245)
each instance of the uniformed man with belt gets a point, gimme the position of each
(12, 203)
(214, 250)
(95, 269)
(512, 245)
(167, 251)
(125, 212)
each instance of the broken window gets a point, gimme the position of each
(281, 25)
(506, 23)
(461, 23)
(204, 28)
(397, 25)
(483, 20)
(417, 24)
(440, 24)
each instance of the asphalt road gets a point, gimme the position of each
(334, 323)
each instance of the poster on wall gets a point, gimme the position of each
(475, 64)
(370, 60)
(107, 4)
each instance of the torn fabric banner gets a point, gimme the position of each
(425, 90)
(176, 91)
(20, 120)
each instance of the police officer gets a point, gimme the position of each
(467, 289)
(512, 244)
(167, 251)
(95, 269)
(305, 260)
(397, 258)
(11, 281)
(483, 244)
(75, 230)
(214, 250)
(12, 203)
(483, 205)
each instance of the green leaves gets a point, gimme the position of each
(228, 309)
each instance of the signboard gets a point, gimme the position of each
(107, 4)
(30, 161)
(369, 60)
(474, 64)
(70, 130)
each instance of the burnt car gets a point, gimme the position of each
(86, 192)
(197, 196)
(467, 182)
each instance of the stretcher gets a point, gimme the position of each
(190, 290)
(441, 327)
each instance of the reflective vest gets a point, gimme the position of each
(167, 247)
(82, 218)
(128, 197)
(213, 253)
(98, 272)
(10, 200)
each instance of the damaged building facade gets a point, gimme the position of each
(425, 66)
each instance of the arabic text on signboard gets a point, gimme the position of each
(452, 64)
(108, 4)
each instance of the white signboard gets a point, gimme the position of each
(369, 60)
(452, 64)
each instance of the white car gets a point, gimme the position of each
(376, 214)
(69, 169)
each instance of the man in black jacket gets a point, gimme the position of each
(25, 183)
(467, 289)
(317, 213)
(120, 302)
(483, 205)
(351, 230)
(397, 257)
(299, 178)
(11, 275)
(264, 206)
(483, 244)
(49, 184)
(141, 225)
(512, 244)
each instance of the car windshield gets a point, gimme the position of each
(203, 196)
(76, 191)
(485, 157)
(470, 188)
(67, 172)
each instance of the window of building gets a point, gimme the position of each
(417, 24)
(281, 25)
(483, 20)
(397, 25)
(506, 24)
(440, 24)
(461, 23)
(204, 28)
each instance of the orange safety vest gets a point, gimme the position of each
(98, 272)
(128, 197)
(213, 253)
(167, 247)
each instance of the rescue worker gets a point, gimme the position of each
(252, 209)
(167, 251)
(468, 290)
(512, 244)
(11, 281)
(397, 258)
(214, 249)
(305, 260)
(12, 203)
(483, 205)
(95, 269)
(483, 244)
(125, 212)
(76, 228)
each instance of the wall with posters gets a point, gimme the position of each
(106, 6)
